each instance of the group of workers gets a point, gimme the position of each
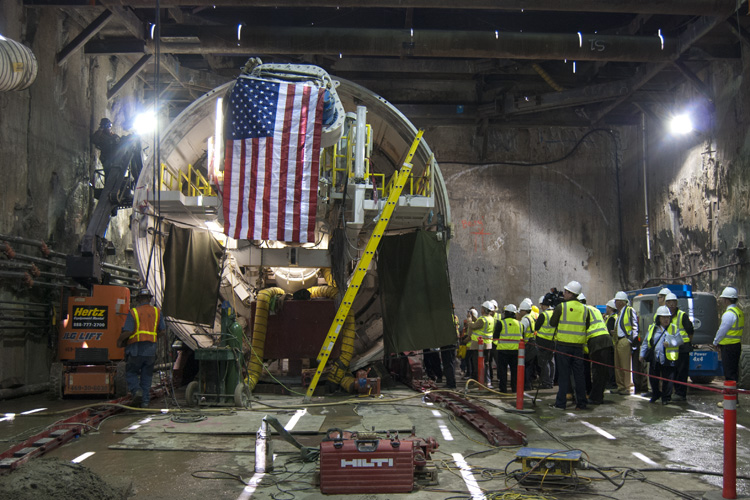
(559, 339)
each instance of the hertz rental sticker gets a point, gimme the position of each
(90, 317)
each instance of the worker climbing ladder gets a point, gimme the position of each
(362, 265)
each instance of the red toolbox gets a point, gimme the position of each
(366, 465)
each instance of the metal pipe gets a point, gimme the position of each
(425, 43)
(38, 260)
(679, 7)
(126, 270)
(35, 243)
(359, 152)
(15, 303)
(644, 138)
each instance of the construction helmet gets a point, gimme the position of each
(663, 311)
(510, 308)
(105, 122)
(574, 287)
(144, 292)
(494, 304)
(525, 305)
(670, 296)
(488, 305)
(611, 304)
(664, 291)
(474, 313)
(621, 296)
(729, 293)
(581, 297)
(541, 300)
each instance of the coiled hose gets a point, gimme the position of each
(259, 334)
(340, 368)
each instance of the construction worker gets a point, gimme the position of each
(660, 349)
(626, 329)
(142, 325)
(484, 326)
(507, 335)
(729, 335)
(661, 299)
(108, 143)
(545, 343)
(528, 323)
(601, 352)
(611, 319)
(685, 328)
(571, 318)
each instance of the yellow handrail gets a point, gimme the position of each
(190, 182)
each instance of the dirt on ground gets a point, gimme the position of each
(55, 479)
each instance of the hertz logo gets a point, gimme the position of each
(90, 312)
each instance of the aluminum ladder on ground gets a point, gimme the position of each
(362, 265)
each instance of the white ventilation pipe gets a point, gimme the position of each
(18, 65)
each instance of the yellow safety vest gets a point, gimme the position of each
(627, 318)
(672, 352)
(509, 336)
(488, 329)
(572, 326)
(529, 334)
(547, 331)
(734, 335)
(145, 333)
(596, 324)
(677, 322)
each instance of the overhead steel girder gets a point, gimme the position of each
(677, 7)
(401, 43)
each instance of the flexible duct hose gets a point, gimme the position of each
(18, 66)
(546, 77)
(328, 276)
(340, 368)
(259, 334)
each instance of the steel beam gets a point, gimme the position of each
(424, 43)
(84, 36)
(692, 34)
(134, 70)
(676, 7)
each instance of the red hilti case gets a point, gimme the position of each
(366, 466)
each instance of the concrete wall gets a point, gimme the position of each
(48, 163)
(521, 230)
(699, 189)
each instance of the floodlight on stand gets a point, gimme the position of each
(681, 124)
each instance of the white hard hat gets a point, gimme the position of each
(510, 308)
(474, 313)
(488, 305)
(729, 293)
(494, 304)
(670, 296)
(541, 299)
(525, 305)
(621, 296)
(611, 304)
(574, 287)
(581, 297)
(663, 311)
(665, 291)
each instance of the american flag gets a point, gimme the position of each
(272, 156)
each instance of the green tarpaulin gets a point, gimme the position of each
(192, 263)
(415, 292)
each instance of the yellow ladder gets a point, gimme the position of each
(364, 263)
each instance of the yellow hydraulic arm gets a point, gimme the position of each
(364, 263)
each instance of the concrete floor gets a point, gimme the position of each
(160, 457)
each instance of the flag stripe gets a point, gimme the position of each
(316, 131)
(272, 156)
